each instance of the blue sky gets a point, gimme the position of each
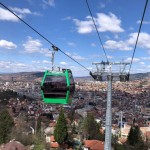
(67, 24)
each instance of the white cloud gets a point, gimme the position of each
(84, 27)
(63, 63)
(23, 11)
(109, 23)
(5, 64)
(109, 57)
(32, 45)
(142, 63)
(131, 28)
(93, 44)
(8, 66)
(145, 58)
(35, 61)
(12, 66)
(143, 41)
(35, 46)
(7, 16)
(66, 18)
(117, 45)
(46, 52)
(71, 44)
(102, 5)
(100, 56)
(144, 22)
(48, 2)
(90, 68)
(76, 56)
(46, 62)
(68, 53)
(7, 44)
(103, 21)
(79, 71)
(20, 65)
(134, 59)
(96, 56)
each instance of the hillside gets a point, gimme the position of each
(30, 76)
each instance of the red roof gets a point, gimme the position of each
(14, 145)
(54, 145)
(122, 140)
(147, 134)
(52, 139)
(52, 124)
(94, 144)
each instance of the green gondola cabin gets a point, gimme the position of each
(57, 87)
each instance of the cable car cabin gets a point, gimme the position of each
(96, 77)
(124, 78)
(58, 87)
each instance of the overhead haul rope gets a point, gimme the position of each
(53, 46)
(100, 40)
(138, 35)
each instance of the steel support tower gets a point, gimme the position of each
(105, 72)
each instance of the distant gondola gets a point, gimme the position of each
(57, 87)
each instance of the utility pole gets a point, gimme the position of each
(108, 114)
(104, 71)
(52, 60)
(121, 125)
(55, 49)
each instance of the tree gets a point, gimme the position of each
(38, 128)
(71, 115)
(61, 131)
(114, 141)
(39, 145)
(119, 147)
(6, 124)
(135, 138)
(73, 131)
(92, 128)
(131, 136)
(21, 133)
(8, 94)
